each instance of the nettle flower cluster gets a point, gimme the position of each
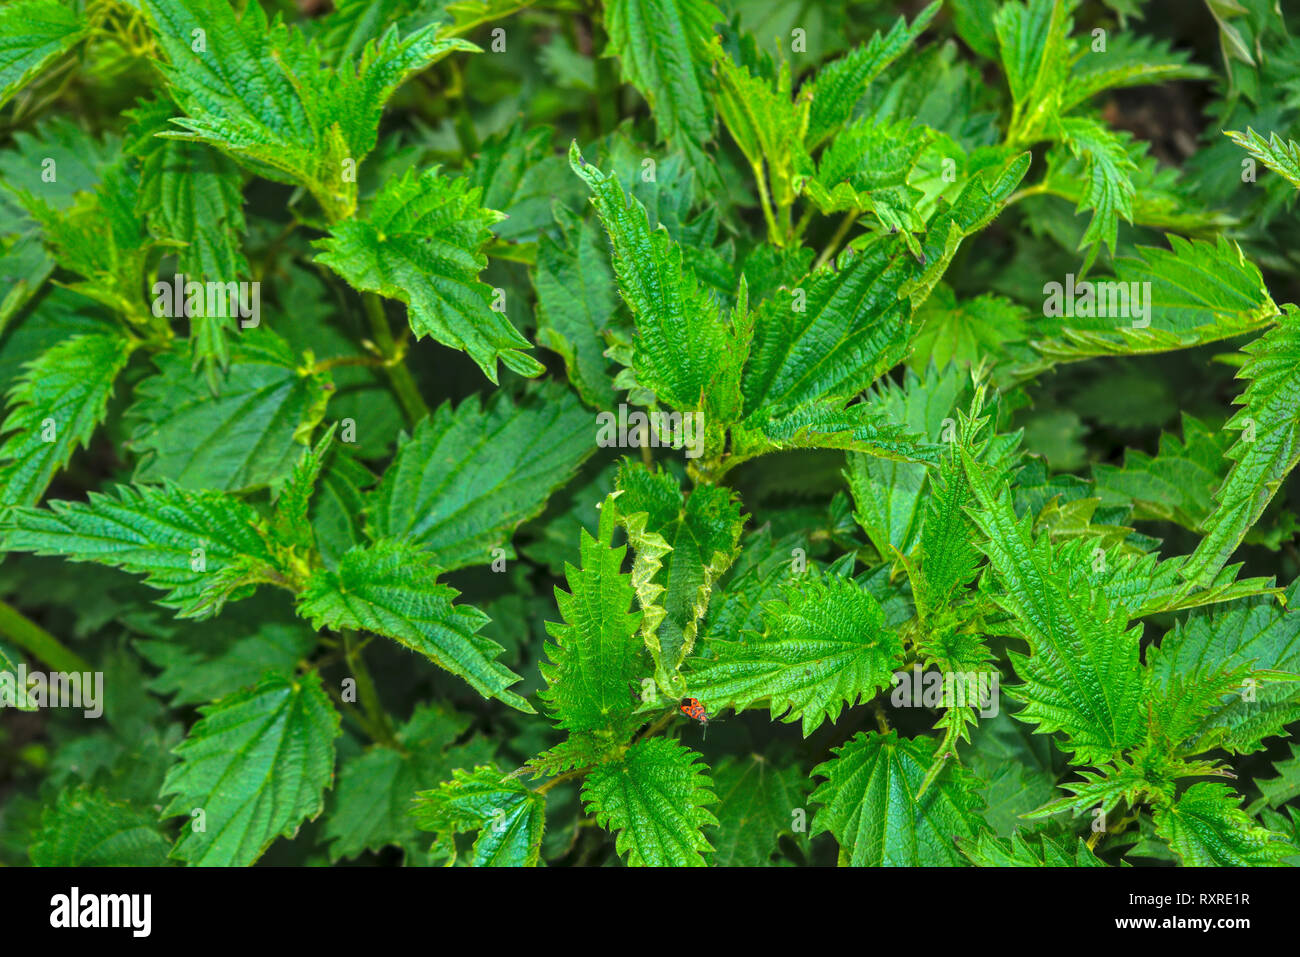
(486, 631)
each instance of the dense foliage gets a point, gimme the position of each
(430, 418)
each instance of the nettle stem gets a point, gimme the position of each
(566, 776)
(773, 232)
(381, 727)
(399, 376)
(840, 232)
(38, 642)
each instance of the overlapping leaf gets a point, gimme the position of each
(656, 798)
(1082, 675)
(86, 828)
(467, 477)
(596, 658)
(255, 766)
(662, 48)
(1266, 451)
(249, 434)
(202, 548)
(508, 816)
(824, 645)
(1207, 828)
(421, 242)
(54, 408)
(258, 90)
(32, 33)
(391, 588)
(869, 803)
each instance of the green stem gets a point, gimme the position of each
(773, 233)
(325, 365)
(399, 377)
(1028, 191)
(804, 220)
(35, 640)
(350, 711)
(658, 725)
(367, 692)
(840, 232)
(567, 776)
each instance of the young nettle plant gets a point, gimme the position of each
(810, 433)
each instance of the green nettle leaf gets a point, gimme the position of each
(351, 24)
(887, 495)
(1159, 201)
(191, 676)
(831, 335)
(391, 588)
(824, 645)
(682, 548)
(520, 176)
(189, 193)
(1107, 167)
(421, 242)
(869, 803)
(757, 801)
(1175, 485)
(80, 158)
(866, 168)
(258, 91)
(85, 828)
(192, 194)
(596, 660)
(576, 752)
(509, 817)
(1281, 156)
(1267, 449)
(1275, 792)
(291, 520)
(767, 125)
(682, 343)
(1207, 828)
(823, 342)
(859, 427)
(946, 557)
(202, 548)
(24, 267)
(663, 50)
(1259, 634)
(839, 85)
(1018, 766)
(1082, 675)
(1200, 292)
(467, 477)
(256, 765)
(54, 408)
(655, 797)
(575, 302)
(1033, 42)
(247, 435)
(100, 236)
(338, 505)
(763, 568)
(32, 33)
(1143, 584)
(1030, 850)
(1128, 59)
(372, 803)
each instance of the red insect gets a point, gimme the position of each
(692, 708)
